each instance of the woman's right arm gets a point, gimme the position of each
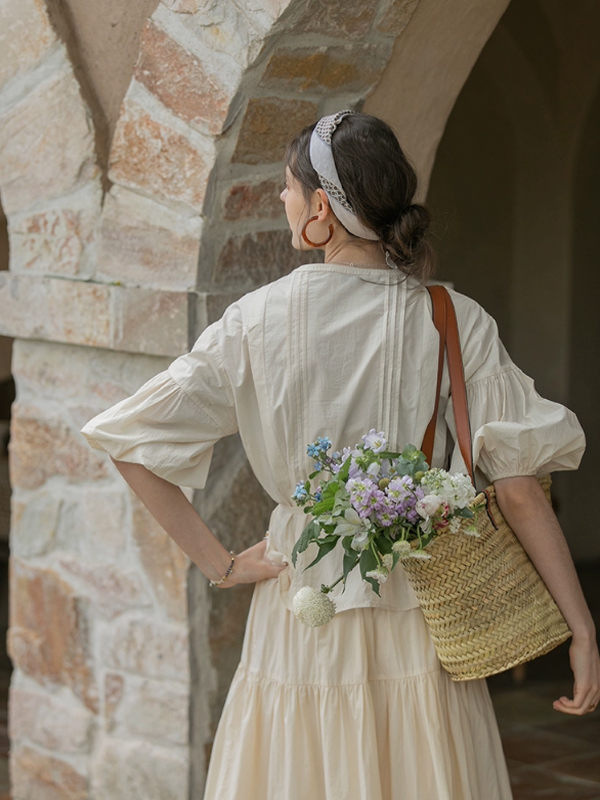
(171, 509)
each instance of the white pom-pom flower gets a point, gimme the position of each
(402, 546)
(313, 608)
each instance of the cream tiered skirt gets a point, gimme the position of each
(358, 709)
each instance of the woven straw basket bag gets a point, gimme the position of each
(485, 604)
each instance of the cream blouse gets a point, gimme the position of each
(332, 350)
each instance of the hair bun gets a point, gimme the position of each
(406, 237)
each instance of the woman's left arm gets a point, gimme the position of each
(530, 515)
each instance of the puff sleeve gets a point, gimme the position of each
(171, 424)
(514, 430)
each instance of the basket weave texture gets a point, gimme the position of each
(485, 604)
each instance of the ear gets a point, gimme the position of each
(322, 207)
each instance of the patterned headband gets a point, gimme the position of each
(321, 157)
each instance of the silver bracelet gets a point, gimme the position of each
(227, 574)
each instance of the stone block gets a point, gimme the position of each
(59, 240)
(268, 125)
(253, 259)
(77, 376)
(114, 317)
(101, 526)
(145, 243)
(165, 564)
(349, 20)
(254, 201)
(34, 523)
(150, 321)
(156, 159)
(49, 637)
(183, 6)
(38, 776)
(181, 81)
(126, 770)
(109, 588)
(326, 69)
(55, 309)
(397, 17)
(54, 721)
(142, 708)
(25, 36)
(42, 448)
(47, 144)
(147, 647)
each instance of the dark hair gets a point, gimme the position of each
(380, 184)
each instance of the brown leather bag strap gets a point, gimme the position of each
(440, 321)
(444, 319)
(458, 387)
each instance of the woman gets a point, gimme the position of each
(358, 708)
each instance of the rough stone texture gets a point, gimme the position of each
(34, 523)
(148, 321)
(137, 320)
(165, 564)
(142, 708)
(268, 125)
(59, 240)
(55, 721)
(349, 20)
(325, 69)
(38, 776)
(146, 243)
(49, 633)
(254, 201)
(183, 6)
(146, 647)
(156, 159)
(59, 310)
(110, 589)
(124, 770)
(397, 17)
(41, 157)
(42, 447)
(25, 36)
(256, 258)
(180, 81)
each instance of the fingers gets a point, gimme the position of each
(584, 701)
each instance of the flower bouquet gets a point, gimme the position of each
(382, 506)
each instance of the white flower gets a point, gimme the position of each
(380, 574)
(313, 608)
(353, 525)
(464, 492)
(472, 531)
(454, 525)
(373, 469)
(428, 505)
(420, 554)
(375, 441)
(401, 546)
(388, 561)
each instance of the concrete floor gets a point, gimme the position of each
(550, 756)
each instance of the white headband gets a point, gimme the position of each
(321, 158)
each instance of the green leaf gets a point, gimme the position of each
(345, 470)
(325, 546)
(308, 535)
(465, 513)
(350, 561)
(368, 561)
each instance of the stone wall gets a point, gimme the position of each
(116, 265)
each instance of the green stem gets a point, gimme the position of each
(375, 553)
(329, 588)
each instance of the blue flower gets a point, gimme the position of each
(324, 442)
(318, 465)
(300, 494)
(313, 450)
(318, 495)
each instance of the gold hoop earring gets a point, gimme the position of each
(315, 244)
